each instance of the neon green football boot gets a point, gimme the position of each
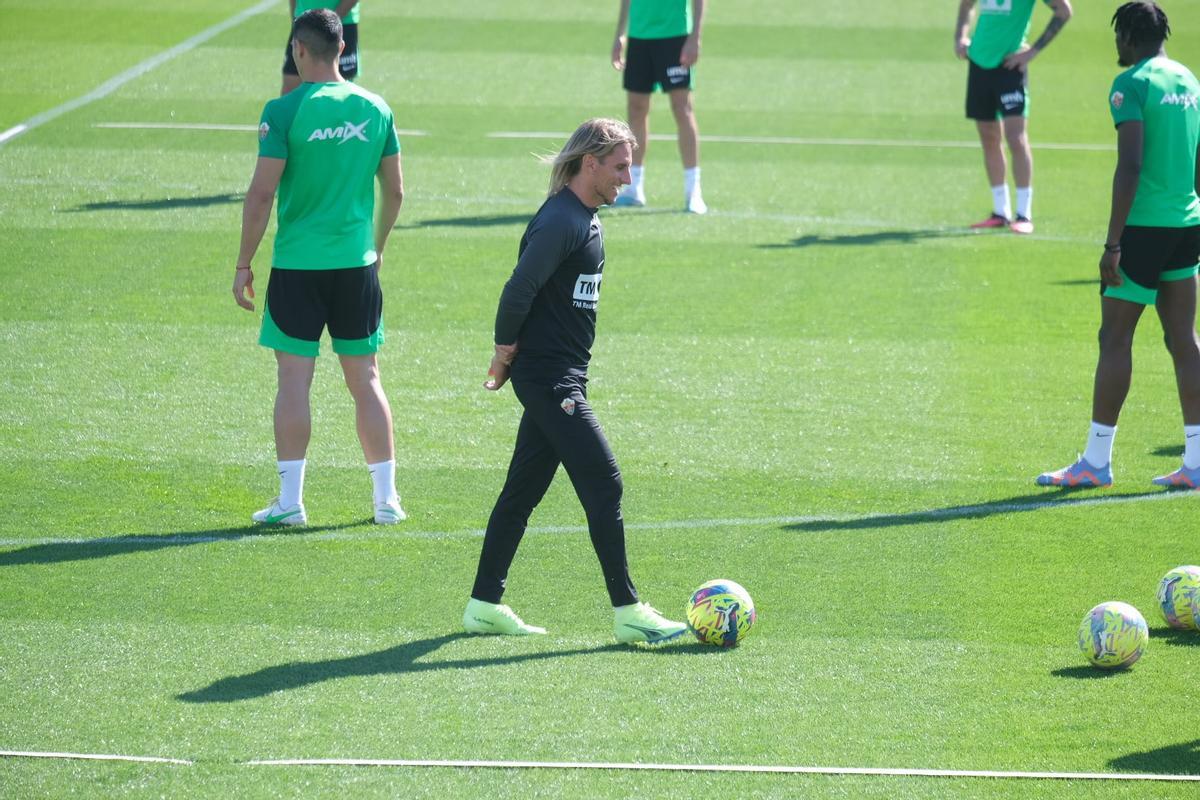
(641, 623)
(483, 617)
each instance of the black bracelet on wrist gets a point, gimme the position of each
(1112, 248)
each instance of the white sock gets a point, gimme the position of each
(291, 483)
(691, 181)
(1191, 446)
(383, 475)
(1025, 202)
(1000, 202)
(635, 174)
(1100, 444)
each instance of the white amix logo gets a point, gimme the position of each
(1180, 99)
(1012, 99)
(345, 132)
(587, 291)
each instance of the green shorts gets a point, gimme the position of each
(302, 303)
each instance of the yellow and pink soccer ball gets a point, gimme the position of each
(1177, 597)
(720, 613)
(1113, 635)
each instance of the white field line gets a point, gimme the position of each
(136, 71)
(824, 142)
(885, 771)
(206, 126)
(93, 757)
(834, 520)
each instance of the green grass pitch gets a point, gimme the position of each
(827, 389)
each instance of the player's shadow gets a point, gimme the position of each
(1058, 498)
(1175, 759)
(1168, 450)
(107, 546)
(402, 659)
(1094, 282)
(160, 205)
(495, 220)
(863, 239)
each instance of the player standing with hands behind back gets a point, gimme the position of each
(545, 327)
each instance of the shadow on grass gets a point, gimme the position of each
(1176, 759)
(1062, 497)
(1078, 282)
(1168, 450)
(401, 659)
(160, 205)
(878, 237)
(1086, 673)
(1176, 637)
(84, 549)
(473, 222)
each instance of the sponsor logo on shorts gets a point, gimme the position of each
(587, 290)
(1117, 100)
(263, 131)
(677, 74)
(1012, 99)
(568, 405)
(345, 133)
(1180, 99)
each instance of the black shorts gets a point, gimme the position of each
(996, 93)
(301, 303)
(347, 64)
(1152, 255)
(655, 62)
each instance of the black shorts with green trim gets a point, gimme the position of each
(1151, 255)
(996, 93)
(652, 63)
(347, 61)
(302, 303)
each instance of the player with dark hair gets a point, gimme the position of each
(998, 95)
(545, 327)
(324, 146)
(1153, 244)
(347, 12)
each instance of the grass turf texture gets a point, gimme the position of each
(828, 342)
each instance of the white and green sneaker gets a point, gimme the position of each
(483, 617)
(389, 513)
(274, 515)
(641, 623)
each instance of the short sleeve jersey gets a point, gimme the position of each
(659, 19)
(1000, 31)
(549, 304)
(333, 136)
(306, 5)
(1163, 95)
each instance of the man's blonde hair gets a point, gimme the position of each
(597, 137)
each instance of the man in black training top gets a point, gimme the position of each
(545, 327)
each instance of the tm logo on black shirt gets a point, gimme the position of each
(587, 291)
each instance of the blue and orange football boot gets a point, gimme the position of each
(1080, 475)
(1182, 478)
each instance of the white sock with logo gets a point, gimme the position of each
(691, 181)
(1000, 201)
(1025, 202)
(383, 475)
(1100, 444)
(291, 483)
(635, 174)
(1191, 446)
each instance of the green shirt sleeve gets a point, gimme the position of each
(391, 142)
(272, 133)
(1126, 99)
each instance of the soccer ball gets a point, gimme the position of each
(720, 613)
(1113, 635)
(1175, 591)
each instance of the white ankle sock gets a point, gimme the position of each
(1100, 444)
(1025, 202)
(291, 483)
(383, 475)
(1191, 446)
(635, 174)
(1000, 201)
(691, 181)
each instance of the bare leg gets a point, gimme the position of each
(993, 151)
(293, 417)
(685, 124)
(373, 416)
(639, 123)
(1177, 310)
(1118, 321)
(1016, 134)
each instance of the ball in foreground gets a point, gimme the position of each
(1176, 593)
(1113, 635)
(720, 613)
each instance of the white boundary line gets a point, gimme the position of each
(206, 126)
(834, 520)
(134, 72)
(94, 757)
(764, 768)
(795, 140)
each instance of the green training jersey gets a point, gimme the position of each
(304, 5)
(659, 19)
(1000, 30)
(333, 136)
(1165, 97)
